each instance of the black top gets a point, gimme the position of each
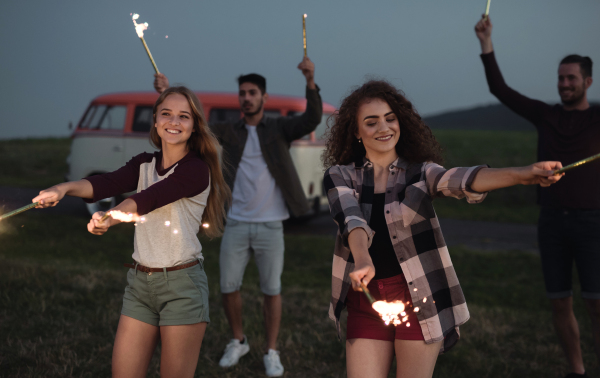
(381, 250)
(565, 136)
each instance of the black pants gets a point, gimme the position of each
(567, 235)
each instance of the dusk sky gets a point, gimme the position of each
(56, 56)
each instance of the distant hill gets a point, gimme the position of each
(490, 117)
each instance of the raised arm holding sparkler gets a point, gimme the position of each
(568, 226)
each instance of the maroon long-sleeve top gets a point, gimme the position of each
(565, 136)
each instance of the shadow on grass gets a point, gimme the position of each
(61, 291)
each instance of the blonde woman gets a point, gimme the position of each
(179, 188)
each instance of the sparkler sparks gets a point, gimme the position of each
(139, 29)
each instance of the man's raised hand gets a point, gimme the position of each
(483, 31)
(308, 70)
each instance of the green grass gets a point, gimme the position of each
(498, 149)
(61, 291)
(33, 163)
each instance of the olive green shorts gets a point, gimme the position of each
(167, 298)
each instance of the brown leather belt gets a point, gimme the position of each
(145, 269)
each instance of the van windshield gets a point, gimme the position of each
(103, 117)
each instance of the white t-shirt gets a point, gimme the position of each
(256, 196)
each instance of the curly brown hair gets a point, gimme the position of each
(416, 144)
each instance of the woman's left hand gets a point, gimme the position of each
(540, 173)
(97, 227)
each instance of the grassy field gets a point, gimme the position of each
(498, 150)
(61, 290)
(33, 163)
(39, 163)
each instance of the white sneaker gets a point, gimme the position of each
(233, 351)
(273, 364)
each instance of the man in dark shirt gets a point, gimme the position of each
(266, 189)
(569, 224)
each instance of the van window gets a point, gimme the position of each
(142, 119)
(104, 118)
(114, 118)
(321, 127)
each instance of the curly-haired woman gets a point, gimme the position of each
(383, 174)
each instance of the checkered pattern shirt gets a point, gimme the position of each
(415, 234)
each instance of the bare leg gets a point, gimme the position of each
(369, 358)
(415, 359)
(232, 302)
(593, 306)
(180, 349)
(134, 345)
(272, 314)
(567, 329)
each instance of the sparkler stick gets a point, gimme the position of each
(139, 29)
(367, 293)
(19, 210)
(304, 32)
(487, 9)
(577, 164)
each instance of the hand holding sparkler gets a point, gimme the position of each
(308, 70)
(99, 223)
(161, 83)
(363, 274)
(483, 31)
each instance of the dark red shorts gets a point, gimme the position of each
(365, 323)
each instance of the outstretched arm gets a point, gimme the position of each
(51, 196)
(539, 173)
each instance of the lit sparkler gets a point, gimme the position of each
(390, 312)
(577, 164)
(139, 29)
(123, 217)
(19, 210)
(304, 32)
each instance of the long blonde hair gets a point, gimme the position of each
(204, 143)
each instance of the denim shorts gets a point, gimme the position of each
(167, 298)
(240, 241)
(567, 236)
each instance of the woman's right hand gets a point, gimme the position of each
(363, 272)
(50, 197)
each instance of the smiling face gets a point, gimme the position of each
(571, 84)
(174, 121)
(251, 98)
(378, 128)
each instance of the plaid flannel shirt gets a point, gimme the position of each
(415, 234)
